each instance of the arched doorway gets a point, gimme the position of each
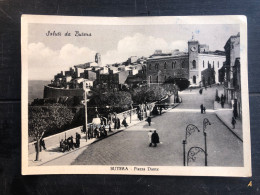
(194, 79)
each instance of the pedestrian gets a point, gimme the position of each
(224, 98)
(95, 132)
(109, 126)
(124, 122)
(115, 123)
(118, 123)
(235, 113)
(149, 120)
(201, 108)
(78, 137)
(71, 142)
(155, 138)
(204, 110)
(42, 144)
(233, 122)
(150, 138)
(160, 110)
(139, 116)
(200, 91)
(222, 104)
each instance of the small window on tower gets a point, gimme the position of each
(194, 64)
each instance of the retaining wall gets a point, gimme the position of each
(52, 92)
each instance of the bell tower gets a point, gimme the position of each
(193, 49)
(98, 59)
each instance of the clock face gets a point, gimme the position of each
(193, 48)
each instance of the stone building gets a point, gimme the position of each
(161, 66)
(232, 50)
(200, 58)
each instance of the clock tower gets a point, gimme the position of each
(193, 47)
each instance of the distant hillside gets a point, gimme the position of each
(35, 88)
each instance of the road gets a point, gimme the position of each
(130, 147)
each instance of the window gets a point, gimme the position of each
(156, 66)
(165, 65)
(157, 79)
(150, 79)
(203, 64)
(194, 64)
(173, 64)
(150, 66)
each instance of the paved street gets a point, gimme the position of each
(130, 147)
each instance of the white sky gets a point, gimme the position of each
(49, 55)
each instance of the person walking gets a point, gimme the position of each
(109, 126)
(222, 104)
(124, 122)
(42, 144)
(233, 122)
(155, 138)
(78, 140)
(150, 138)
(118, 123)
(149, 120)
(201, 108)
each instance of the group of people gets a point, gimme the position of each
(153, 138)
(97, 132)
(69, 144)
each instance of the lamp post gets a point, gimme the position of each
(86, 89)
(205, 124)
(190, 129)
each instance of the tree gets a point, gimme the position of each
(148, 94)
(44, 118)
(110, 102)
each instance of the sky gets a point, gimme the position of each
(48, 55)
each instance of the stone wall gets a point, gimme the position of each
(52, 92)
(55, 139)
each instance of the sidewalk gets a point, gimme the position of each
(225, 115)
(53, 152)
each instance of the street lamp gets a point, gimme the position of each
(193, 151)
(189, 130)
(205, 124)
(86, 90)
